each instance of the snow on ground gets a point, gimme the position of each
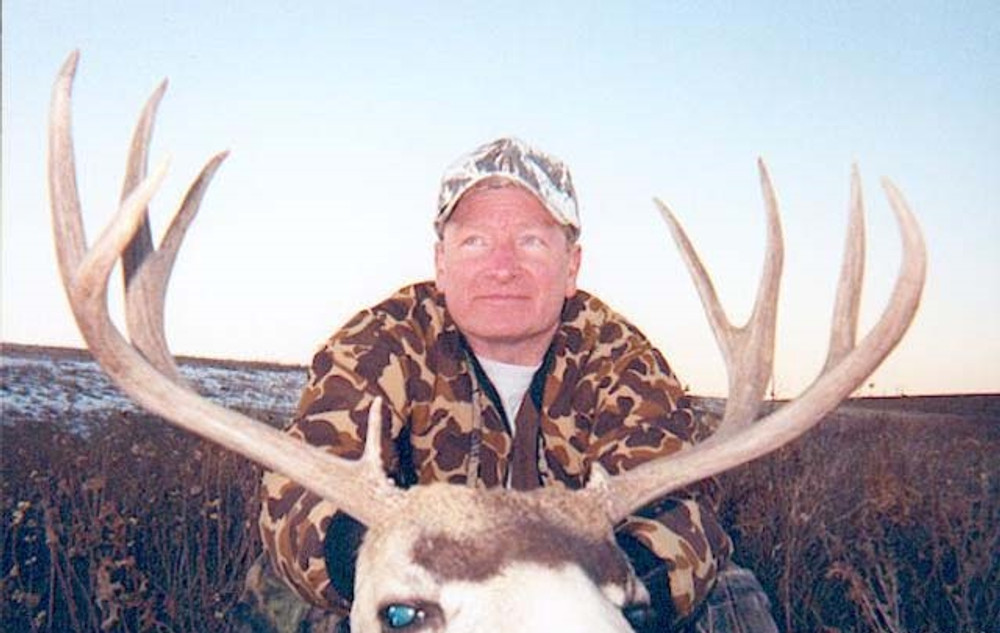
(36, 386)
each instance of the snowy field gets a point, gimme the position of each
(47, 383)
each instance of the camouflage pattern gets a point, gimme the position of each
(603, 394)
(512, 159)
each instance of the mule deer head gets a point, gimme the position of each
(550, 562)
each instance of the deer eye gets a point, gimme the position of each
(402, 616)
(640, 616)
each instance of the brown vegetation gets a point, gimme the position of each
(879, 521)
(138, 528)
(887, 518)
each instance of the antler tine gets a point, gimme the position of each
(748, 350)
(146, 291)
(844, 330)
(360, 488)
(144, 297)
(71, 243)
(141, 243)
(147, 270)
(636, 488)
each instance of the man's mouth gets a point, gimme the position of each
(502, 297)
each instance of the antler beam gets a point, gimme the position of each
(150, 377)
(748, 352)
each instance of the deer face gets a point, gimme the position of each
(459, 560)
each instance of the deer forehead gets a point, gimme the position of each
(523, 597)
(528, 598)
(464, 534)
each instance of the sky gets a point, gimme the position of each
(341, 116)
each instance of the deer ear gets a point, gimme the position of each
(340, 550)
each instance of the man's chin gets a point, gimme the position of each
(498, 334)
(501, 334)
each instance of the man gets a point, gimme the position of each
(502, 373)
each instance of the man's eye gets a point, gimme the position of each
(532, 241)
(474, 241)
(400, 617)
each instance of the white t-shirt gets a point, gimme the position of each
(511, 381)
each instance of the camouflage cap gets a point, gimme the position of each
(543, 175)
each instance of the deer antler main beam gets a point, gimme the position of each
(359, 487)
(748, 352)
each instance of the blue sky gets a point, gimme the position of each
(341, 116)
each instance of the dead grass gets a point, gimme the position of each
(138, 528)
(871, 524)
(874, 522)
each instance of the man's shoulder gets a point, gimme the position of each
(417, 307)
(411, 321)
(409, 300)
(586, 312)
(597, 337)
(592, 330)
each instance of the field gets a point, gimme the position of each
(886, 518)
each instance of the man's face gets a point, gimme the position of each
(505, 267)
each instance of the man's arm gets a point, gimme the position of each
(677, 544)
(344, 378)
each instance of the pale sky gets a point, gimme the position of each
(341, 117)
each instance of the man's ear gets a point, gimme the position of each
(439, 267)
(573, 269)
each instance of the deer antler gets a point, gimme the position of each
(145, 270)
(359, 487)
(748, 352)
(146, 371)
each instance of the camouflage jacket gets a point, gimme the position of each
(602, 393)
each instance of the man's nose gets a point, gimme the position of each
(504, 261)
